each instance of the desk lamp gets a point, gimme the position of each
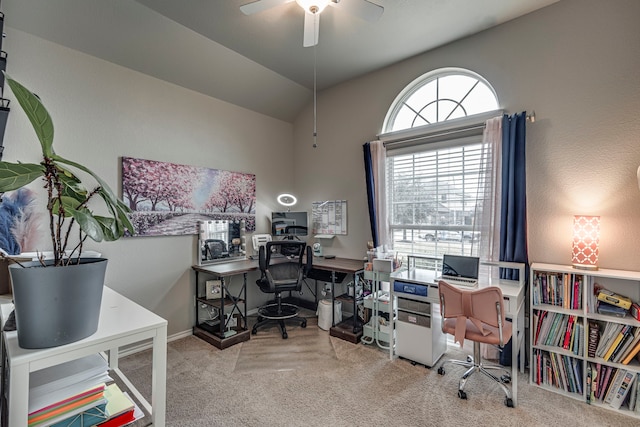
(586, 242)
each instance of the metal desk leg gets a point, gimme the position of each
(333, 308)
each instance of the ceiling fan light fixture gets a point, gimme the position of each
(313, 6)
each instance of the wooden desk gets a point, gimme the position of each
(350, 329)
(122, 322)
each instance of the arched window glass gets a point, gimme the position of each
(437, 163)
(439, 96)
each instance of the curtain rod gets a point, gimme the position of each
(464, 130)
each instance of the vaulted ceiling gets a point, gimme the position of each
(255, 61)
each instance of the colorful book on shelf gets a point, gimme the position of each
(86, 418)
(594, 337)
(627, 344)
(631, 354)
(614, 299)
(552, 338)
(633, 394)
(616, 342)
(614, 383)
(64, 412)
(610, 333)
(576, 364)
(622, 388)
(604, 384)
(611, 310)
(541, 316)
(117, 401)
(568, 333)
(99, 389)
(119, 420)
(595, 380)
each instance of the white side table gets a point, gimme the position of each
(122, 322)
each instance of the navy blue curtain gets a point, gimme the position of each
(513, 216)
(368, 171)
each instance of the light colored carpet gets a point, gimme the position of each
(306, 348)
(211, 387)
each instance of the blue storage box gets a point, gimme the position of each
(409, 288)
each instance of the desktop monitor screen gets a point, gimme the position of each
(289, 223)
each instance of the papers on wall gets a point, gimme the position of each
(329, 217)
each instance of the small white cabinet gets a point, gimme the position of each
(419, 336)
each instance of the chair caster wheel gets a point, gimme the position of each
(470, 359)
(505, 379)
(284, 336)
(462, 395)
(254, 331)
(304, 324)
(508, 402)
(441, 370)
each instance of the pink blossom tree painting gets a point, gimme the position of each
(170, 199)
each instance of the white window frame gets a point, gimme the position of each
(451, 133)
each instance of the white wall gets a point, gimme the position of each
(576, 64)
(102, 112)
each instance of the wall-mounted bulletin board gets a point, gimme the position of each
(329, 217)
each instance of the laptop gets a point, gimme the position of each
(460, 270)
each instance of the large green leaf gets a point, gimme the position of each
(88, 224)
(105, 187)
(37, 114)
(110, 228)
(17, 175)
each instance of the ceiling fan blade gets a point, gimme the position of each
(364, 9)
(311, 29)
(261, 6)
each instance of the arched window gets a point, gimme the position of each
(439, 96)
(437, 161)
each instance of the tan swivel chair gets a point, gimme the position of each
(476, 315)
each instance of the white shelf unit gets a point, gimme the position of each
(581, 305)
(122, 323)
(380, 329)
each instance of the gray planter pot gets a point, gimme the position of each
(57, 305)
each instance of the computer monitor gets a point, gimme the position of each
(289, 224)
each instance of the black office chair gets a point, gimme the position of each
(282, 275)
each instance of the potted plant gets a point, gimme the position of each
(66, 278)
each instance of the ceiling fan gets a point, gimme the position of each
(364, 9)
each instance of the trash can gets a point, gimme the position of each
(324, 313)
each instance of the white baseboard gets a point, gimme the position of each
(147, 345)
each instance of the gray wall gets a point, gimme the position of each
(576, 64)
(101, 112)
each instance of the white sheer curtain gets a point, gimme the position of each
(490, 217)
(379, 167)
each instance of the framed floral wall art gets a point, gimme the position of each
(170, 199)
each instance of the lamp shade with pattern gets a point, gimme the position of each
(586, 242)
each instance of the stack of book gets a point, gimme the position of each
(612, 304)
(615, 387)
(71, 389)
(78, 394)
(619, 343)
(559, 330)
